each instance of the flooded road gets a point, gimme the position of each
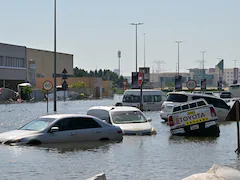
(136, 157)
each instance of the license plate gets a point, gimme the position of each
(194, 127)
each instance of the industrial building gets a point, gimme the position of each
(21, 64)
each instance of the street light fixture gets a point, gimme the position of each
(178, 42)
(136, 25)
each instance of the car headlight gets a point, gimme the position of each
(13, 141)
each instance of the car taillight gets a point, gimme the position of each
(213, 113)
(170, 121)
(119, 132)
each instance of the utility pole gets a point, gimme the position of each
(136, 25)
(203, 71)
(55, 60)
(144, 50)
(178, 42)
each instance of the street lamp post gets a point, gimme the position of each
(136, 24)
(178, 42)
(119, 57)
(144, 51)
(55, 83)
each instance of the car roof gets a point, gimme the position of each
(57, 116)
(115, 108)
(192, 94)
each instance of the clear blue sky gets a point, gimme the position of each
(95, 30)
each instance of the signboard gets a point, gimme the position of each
(135, 80)
(219, 85)
(235, 75)
(64, 85)
(203, 85)
(140, 78)
(47, 85)
(191, 84)
(178, 83)
(146, 73)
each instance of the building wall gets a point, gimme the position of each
(107, 89)
(160, 80)
(44, 62)
(94, 83)
(12, 65)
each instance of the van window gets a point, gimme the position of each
(131, 98)
(219, 103)
(152, 98)
(177, 98)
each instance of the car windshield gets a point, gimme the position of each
(125, 117)
(38, 124)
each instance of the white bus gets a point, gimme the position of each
(235, 90)
(152, 99)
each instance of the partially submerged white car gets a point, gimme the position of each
(62, 128)
(130, 119)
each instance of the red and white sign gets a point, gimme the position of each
(47, 85)
(140, 78)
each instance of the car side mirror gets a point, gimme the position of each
(104, 120)
(149, 119)
(54, 129)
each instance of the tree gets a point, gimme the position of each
(78, 85)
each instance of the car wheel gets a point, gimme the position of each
(34, 142)
(104, 139)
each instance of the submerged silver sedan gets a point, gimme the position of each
(60, 128)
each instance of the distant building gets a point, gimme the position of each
(117, 71)
(13, 68)
(21, 64)
(200, 74)
(166, 79)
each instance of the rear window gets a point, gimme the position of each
(177, 98)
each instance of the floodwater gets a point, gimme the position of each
(137, 157)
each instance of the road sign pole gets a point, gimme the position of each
(141, 98)
(47, 101)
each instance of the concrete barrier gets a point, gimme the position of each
(100, 176)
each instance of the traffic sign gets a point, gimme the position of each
(140, 78)
(47, 85)
(191, 84)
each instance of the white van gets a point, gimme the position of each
(130, 119)
(152, 99)
(174, 98)
(234, 89)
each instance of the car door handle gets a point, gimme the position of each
(72, 134)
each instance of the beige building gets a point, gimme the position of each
(40, 63)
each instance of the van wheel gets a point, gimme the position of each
(34, 142)
(104, 139)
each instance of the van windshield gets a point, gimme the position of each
(125, 117)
